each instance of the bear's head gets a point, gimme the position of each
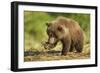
(55, 32)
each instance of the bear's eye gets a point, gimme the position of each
(59, 28)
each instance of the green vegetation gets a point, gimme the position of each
(35, 28)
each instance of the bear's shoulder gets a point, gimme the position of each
(62, 18)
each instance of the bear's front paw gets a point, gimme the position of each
(63, 54)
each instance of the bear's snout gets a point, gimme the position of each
(52, 40)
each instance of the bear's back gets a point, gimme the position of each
(67, 22)
(70, 24)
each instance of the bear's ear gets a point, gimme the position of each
(48, 24)
(59, 28)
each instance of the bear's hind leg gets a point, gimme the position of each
(79, 47)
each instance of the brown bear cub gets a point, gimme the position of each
(66, 30)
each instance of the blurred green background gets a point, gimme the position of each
(35, 27)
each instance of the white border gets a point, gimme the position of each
(22, 64)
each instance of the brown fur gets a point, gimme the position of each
(68, 32)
